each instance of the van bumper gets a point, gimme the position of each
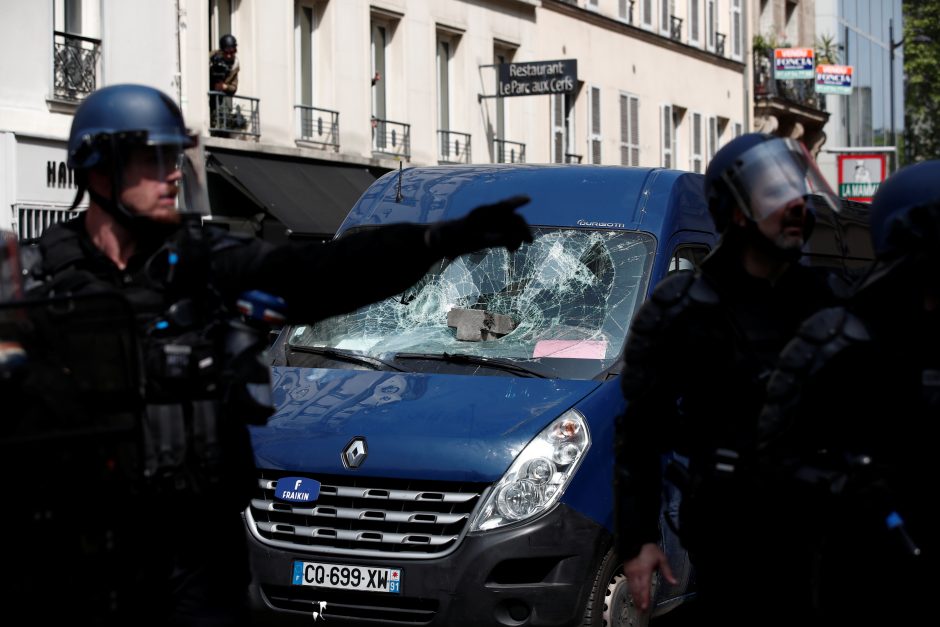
(537, 574)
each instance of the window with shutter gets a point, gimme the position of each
(694, 21)
(695, 163)
(595, 139)
(558, 128)
(629, 130)
(712, 136)
(736, 36)
(667, 127)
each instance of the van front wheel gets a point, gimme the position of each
(610, 603)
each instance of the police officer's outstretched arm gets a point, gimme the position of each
(486, 226)
(367, 266)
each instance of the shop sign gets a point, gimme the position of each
(860, 175)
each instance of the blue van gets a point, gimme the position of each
(444, 457)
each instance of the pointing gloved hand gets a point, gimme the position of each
(484, 227)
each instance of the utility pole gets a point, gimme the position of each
(892, 45)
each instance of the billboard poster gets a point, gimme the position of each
(860, 175)
(834, 79)
(793, 63)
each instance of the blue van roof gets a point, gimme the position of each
(588, 196)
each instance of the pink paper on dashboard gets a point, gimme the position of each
(571, 349)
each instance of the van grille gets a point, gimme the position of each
(367, 516)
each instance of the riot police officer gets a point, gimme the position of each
(697, 359)
(142, 238)
(847, 423)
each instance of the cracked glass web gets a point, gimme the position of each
(571, 294)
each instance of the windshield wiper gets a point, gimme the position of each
(342, 355)
(498, 363)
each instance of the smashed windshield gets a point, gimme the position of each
(569, 295)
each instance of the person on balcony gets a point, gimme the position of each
(223, 81)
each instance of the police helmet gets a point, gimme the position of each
(118, 115)
(905, 211)
(113, 121)
(227, 41)
(759, 173)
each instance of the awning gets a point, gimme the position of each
(307, 197)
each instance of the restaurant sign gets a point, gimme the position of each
(537, 78)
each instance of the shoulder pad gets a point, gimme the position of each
(673, 288)
(828, 324)
(820, 338)
(670, 298)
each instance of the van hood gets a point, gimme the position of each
(448, 427)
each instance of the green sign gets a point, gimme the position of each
(858, 190)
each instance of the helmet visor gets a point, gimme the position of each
(773, 174)
(162, 157)
(194, 196)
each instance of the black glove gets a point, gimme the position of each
(484, 227)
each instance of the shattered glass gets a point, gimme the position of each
(571, 294)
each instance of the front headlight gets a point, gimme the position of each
(538, 476)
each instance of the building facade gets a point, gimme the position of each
(865, 34)
(333, 93)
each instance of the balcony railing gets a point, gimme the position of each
(570, 157)
(505, 151)
(675, 27)
(234, 116)
(76, 65)
(798, 91)
(318, 126)
(391, 138)
(720, 44)
(454, 147)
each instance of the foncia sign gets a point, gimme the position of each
(537, 78)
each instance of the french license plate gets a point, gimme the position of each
(347, 577)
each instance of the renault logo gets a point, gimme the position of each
(355, 453)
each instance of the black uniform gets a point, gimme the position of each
(697, 360)
(848, 432)
(181, 553)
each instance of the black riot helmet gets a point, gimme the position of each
(119, 121)
(227, 42)
(759, 173)
(905, 212)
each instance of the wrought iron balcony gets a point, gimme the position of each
(798, 91)
(391, 138)
(505, 151)
(318, 126)
(570, 157)
(234, 115)
(720, 44)
(76, 65)
(454, 147)
(675, 27)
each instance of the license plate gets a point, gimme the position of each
(347, 577)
